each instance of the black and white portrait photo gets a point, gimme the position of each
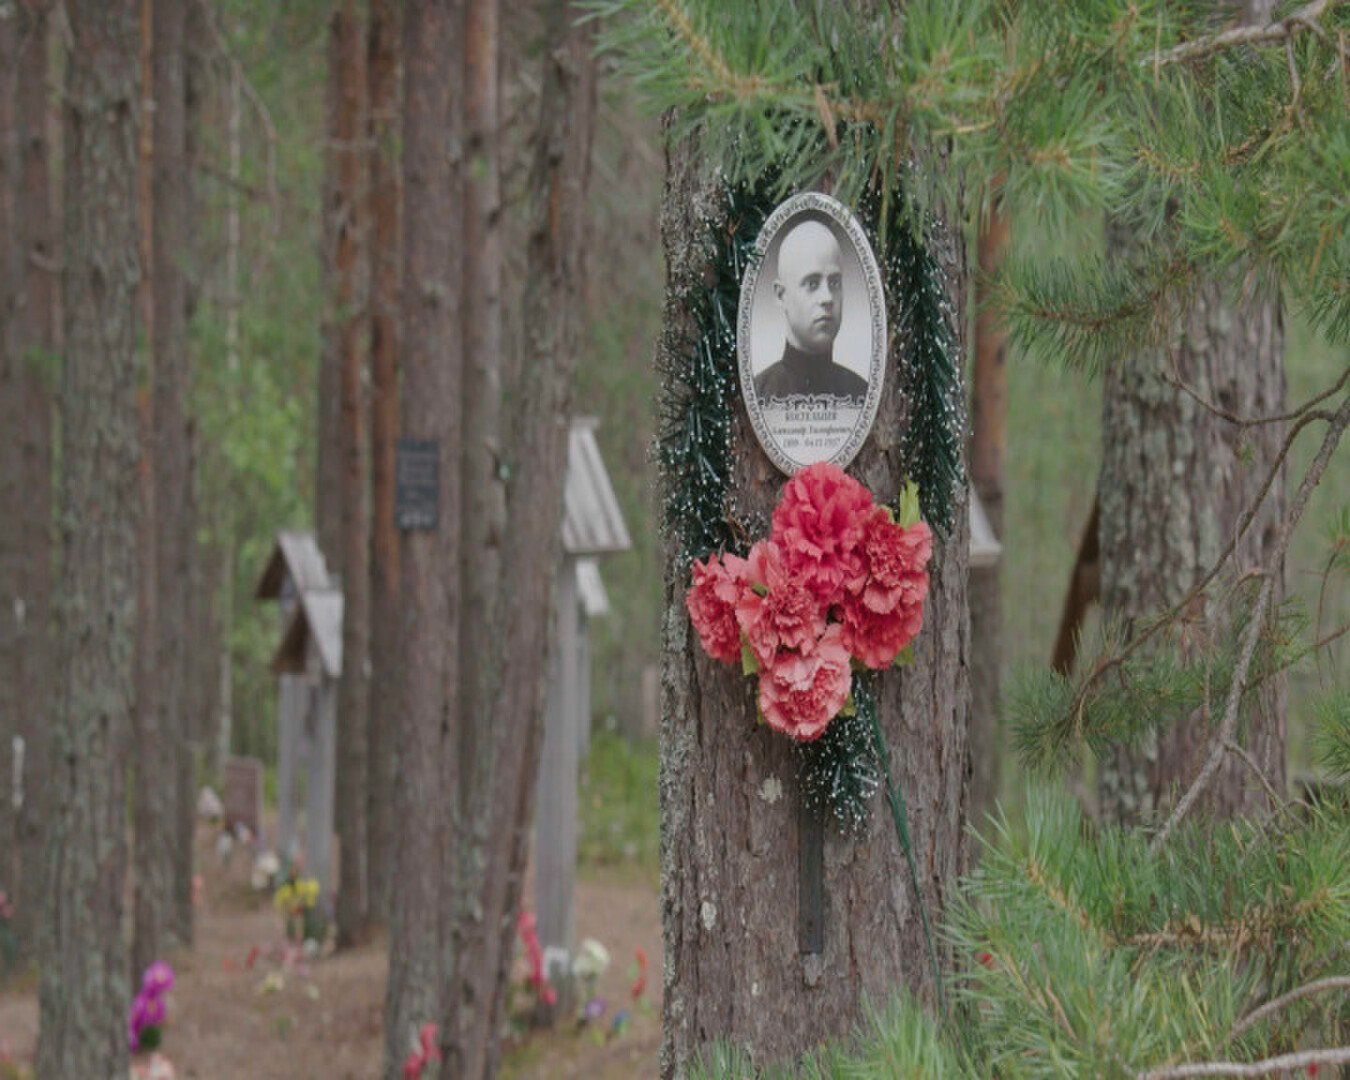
(812, 334)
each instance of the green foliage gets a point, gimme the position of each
(923, 321)
(1083, 954)
(1331, 738)
(1124, 694)
(619, 813)
(1096, 957)
(1218, 159)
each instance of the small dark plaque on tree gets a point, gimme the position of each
(417, 484)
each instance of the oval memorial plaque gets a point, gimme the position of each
(811, 334)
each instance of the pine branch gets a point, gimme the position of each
(1230, 716)
(1305, 18)
(1276, 799)
(1175, 380)
(1334, 982)
(1107, 664)
(1266, 1067)
(1331, 737)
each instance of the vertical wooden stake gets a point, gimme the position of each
(810, 878)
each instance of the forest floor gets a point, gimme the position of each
(229, 1018)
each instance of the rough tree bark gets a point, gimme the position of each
(483, 520)
(164, 752)
(1175, 479)
(353, 713)
(729, 799)
(537, 441)
(988, 431)
(84, 990)
(328, 453)
(27, 306)
(174, 525)
(383, 61)
(428, 642)
(152, 882)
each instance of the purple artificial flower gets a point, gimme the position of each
(158, 978)
(154, 1012)
(595, 1008)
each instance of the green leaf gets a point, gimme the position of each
(905, 657)
(749, 662)
(909, 505)
(850, 707)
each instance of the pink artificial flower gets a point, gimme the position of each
(786, 616)
(154, 1011)
(526, 924)
(158, 978)
(897, 561)
(711, 600)
(876, 640)
(884, 611)
(819, 523)
(802, 692)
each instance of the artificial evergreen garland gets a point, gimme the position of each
(694, 439)
(918, 309)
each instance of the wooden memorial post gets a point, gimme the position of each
(296, 566)
(592, 525)
(312, 649)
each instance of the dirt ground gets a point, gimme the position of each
(282, 1020)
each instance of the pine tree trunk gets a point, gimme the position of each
(428, 642)
(84, 990)
(729, 799)
(1175, 480)
(989, 419)
(353, 715)
(537, 442)
(164, 757)
(328, 452)
(174, 524)
(483, 521)
(27, 303)
(152, 884)
(385, 20)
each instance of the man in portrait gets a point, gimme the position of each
(809, 288)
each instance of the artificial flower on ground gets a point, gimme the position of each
(639, 974)
(297, 898)
(155, 1067)
(149, 1009)
(423, 1053)
(840, 581)
(537, 978)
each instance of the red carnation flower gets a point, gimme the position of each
(896, 563)
(776, 611)
(711, 602)
(802, 692)
(884, 610)
(819, 524)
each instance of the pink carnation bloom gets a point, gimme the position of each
(884, 612)
(897, 561)
(711, 602)
(802, 692)
(158, 978)
(819, 523)
(786, 616)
